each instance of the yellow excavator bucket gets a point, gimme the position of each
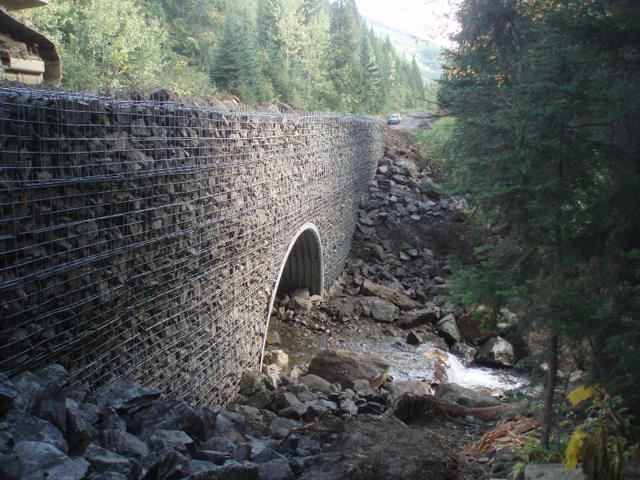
(26, 55)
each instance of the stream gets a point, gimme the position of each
(407, 362)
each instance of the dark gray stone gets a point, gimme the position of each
(8, 393)
(168, 414)
(24, 427)
(344, 367)
(448, 328)
(125, 395)
(242, 452)
(218, 443)
(496, 351)
(212, 456)
(75, 469)
(170, 440)
(124, 443)
(103, 460)
(36, 456)
(277, 469)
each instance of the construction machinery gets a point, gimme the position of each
(27, 56)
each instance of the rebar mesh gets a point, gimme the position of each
(142, 240)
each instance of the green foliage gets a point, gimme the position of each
(601, 443)
(544, 141)
(314, 53)
(433, 144)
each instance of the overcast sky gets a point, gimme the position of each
(429, 19)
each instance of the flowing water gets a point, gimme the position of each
(423, 362)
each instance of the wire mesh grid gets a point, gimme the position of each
(142, 240)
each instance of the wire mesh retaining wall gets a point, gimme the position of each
(142, 240)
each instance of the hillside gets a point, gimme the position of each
(427, 53)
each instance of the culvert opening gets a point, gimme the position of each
(302, 272)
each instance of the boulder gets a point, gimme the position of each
(379, 309)
(344, 367)
(448, 328)
(317, 384)
(276, 357)
(35, 456)
(125, 395)
(414, 318)
(103, 460)
(20, 426)
(397, 389)
(496, 351)
(389, 294)
(464, 352)
(465, 396)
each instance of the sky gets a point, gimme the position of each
(429, 19)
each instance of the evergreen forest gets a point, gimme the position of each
(545, 137)
(314, 54)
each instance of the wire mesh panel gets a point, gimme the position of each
(142, 240)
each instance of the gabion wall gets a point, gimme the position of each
(143, 240)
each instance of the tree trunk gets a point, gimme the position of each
(549, 390)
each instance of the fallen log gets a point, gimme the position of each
(411, 407)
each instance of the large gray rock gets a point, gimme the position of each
(397, 389)
(171, 440)
(379, 309)
(276, 357)
(277, 469)
(414, 318)
(345, 366)
(496, 351)
(75, 469)
(20, 426)
(389, 294)
(103, 460)
(125, 395)
(317, 384)
(448, 328)
(124, 443)
(36, 456)
(465, 396)
(170, 414)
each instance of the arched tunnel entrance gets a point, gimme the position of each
(301, 268)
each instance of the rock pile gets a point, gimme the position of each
(397, 271)
(123, 430)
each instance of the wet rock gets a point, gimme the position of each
(389, 294)
(465, 396)
(496, 351)
(344, 367)
(448, 328)
(276, 357)
(379, 309)
(397, 389)
(415, 338)
(464, 352)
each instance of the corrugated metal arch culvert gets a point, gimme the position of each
(301, 267)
